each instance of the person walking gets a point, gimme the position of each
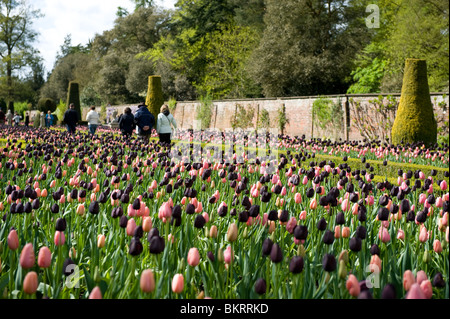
(2, 117)
(164, 125)
(9, 117)
(127, 123)
(71, 119)
(93, 119)
(145, 121)
(17, 119)
(27, 119)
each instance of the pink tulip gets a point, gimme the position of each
(437, 246)
(291, 225)
(423, 236)
(439, 202)
(415, 292)
(27, 257)
(59, 239)
(421, 175)
(344, 205)
(408, 280)
(421, 276)
(178, 283)
(427, 289)
(81, 210)
(228, 255)
(130, 211)
(147, 224)
(13, 240)
(384, 236)
(370, 200)
(303, 215)
(298, 198)
(443, 185)
(305, 180)
(283, 191)
(400, 234)
(44, 257)
(101, 239)
(30, 283)
(131, 227)
(96, 293)
(193, 257)
(352, 286)
(147, 281)
(375, 264)
(345, 232)
(313, 204)
(165, 211)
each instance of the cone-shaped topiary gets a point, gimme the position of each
(155, 97)
(73, 96)
(415, 121)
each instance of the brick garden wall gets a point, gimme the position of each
(298, 112)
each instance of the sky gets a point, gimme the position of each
(82, 19)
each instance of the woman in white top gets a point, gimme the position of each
(164, 125)
(93, 120)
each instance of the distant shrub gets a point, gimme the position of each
(46, 104)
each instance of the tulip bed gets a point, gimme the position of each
(111, 218)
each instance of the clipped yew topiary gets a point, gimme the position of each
(415, 121)
(155, 97)
(46, 104)
(73, 96)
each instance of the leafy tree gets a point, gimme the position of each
(16, 38)
(310, 49)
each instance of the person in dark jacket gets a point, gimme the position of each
(27, 119)
(71, 119)
(127, 123)
(145, 121)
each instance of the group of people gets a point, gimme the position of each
(143, 119)
(11, 119)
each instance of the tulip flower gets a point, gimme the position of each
(27, 257)
(147, 281)
(228, 255)
(408, 280)
(178, 283)
(13, 240)
(415, 292)
(81, 210)
(383, 235)
(352, 286)
(96, 293)
(193, 258)
(232, 232)
(437, 246)
(30, 283)
(101, 241)
(131, 227)
(147, 224)
(44, 257)
(59, 239)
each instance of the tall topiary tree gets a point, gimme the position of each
(73, 96)
(415, 121)
(155, 97)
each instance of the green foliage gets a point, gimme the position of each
(282, 119)
(155, 98)
(172, 105)
(22, 107)
(46, 104)
(264, 120)
(415, 121)
(243, 117)
(204, 112)
(368, 77)
(90, 97)
(73, 96)
(60, 110)
(102, 114)
(328, 116)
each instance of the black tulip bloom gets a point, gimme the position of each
(190, 209)
(355, 244)
(411, 216)
(421, 217)
(175, 221)
(176, 211)
(389, 292)
(199, 221)
(375, 250)
(301, 232)
(138, 232)
(35, 204)
(94, 208)
(260, 286)
(136, 204)
(123, 222)
(365, 295)
(273, 215)
(265, 197)
(54, 209)
(154, 232)
(383, 214)
(74, 194)
(296, 265)
(284, 216)
(361, 232)
(246, 202)
(328, 237)
(27, 208)
(210, 256)
(254, 211)
(68, 267)
(329, 263)
(223, 211)
(61, 224)
(340, 218)
(322, 224)
(276, 255)
(136, 247)
(384, 200)
(438, 281)
(243, 217)
(125, 198)
(267, 247)
(157, 245)
(310, 193)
